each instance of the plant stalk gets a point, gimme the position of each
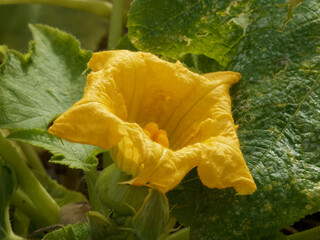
(116, 21)
(98, 7)
(10, 234)
(25, 205)
(32, 157)
(47, 207)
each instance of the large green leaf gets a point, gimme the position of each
(173, 28)
(276, 105)
(37, 87)
(87, 27)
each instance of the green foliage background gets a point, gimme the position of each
(14, 20)
(274, 45)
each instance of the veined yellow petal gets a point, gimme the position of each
(97, 118)
(152, 164)
(209, 100)
(89, 123)
(128, 90)
(222, 165)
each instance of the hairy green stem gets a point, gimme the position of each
(8, 229)
(48, 208)
(25, 205)
(6, 221)
(32, 157)
(98, 7)
(116, 22)
(91, 177)
(15, 237)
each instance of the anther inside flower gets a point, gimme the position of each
(129, 96)
(155, 134)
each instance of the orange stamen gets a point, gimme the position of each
(155, 134)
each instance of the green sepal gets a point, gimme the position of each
(124, 199)
(101, 226)
(152, 218)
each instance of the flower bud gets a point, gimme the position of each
(115, 194)
(152, 218)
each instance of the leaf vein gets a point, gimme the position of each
(290, 120)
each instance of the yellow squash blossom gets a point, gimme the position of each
(159, 121)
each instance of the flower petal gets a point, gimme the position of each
(127, 90)
(153, 89)
(209, 100)
(97, 118)
(222, 165)
(150, 163)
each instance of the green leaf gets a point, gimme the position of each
(276, 105)
(87, 27)
(213, 28)
(79, 231)
(74, 155)
(201, 63)
(35, 88)
(125, 43)
(58, 192)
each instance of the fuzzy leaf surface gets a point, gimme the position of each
(276, 104)
(213, 28)
(38, 86)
